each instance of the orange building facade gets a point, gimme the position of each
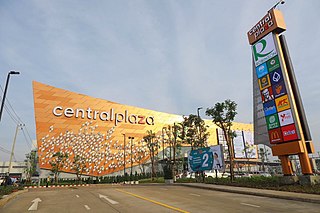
(95, 130)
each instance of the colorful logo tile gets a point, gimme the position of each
(267, 95)
(272, 121)
(282, 103)
(285, 117)
(273, 64)
(275, 136)
(269, 108)
(264, 82)
(279, 89)
(264, 49)
(262, 70)
(289, 133)
(276, 76)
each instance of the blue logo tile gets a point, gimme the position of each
(262, 70)
(269, 108)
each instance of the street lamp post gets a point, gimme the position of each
(131, 138)
(6, 88)
(198, 111)
(124, 155)
(200, 137)
(279, 2)
(163, 128)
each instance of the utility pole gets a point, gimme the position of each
(13, 145)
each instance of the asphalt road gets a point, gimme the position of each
(147, 198)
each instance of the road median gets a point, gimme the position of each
(304, 197)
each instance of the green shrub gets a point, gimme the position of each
(5, 190)
(186, 180)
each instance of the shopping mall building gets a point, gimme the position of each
(100, 131)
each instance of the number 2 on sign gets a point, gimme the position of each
(205, 157)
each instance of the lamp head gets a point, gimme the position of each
(12, 72)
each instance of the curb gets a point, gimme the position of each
(294, 197)
(11, 196)
(55, 186)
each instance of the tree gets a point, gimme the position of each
(174, 141)
(57, 163)
(31, 165)
(79, 166)
(194, 131)
(153, 146)
(223, 115)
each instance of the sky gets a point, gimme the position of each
(171, 56)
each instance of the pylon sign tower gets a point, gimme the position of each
(279, 102)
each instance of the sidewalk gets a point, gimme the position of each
(312, 198)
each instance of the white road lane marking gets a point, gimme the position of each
(194, 194)
(247, 204)
(87, 207)
(108, 199)
(34, 206)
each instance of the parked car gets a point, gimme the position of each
(212, 173)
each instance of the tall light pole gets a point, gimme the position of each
(124, 155)
(198, 111)
(200, 137)
(131, 138)
(163, 128)
(5, 90)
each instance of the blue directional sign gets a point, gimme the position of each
(200, 160)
